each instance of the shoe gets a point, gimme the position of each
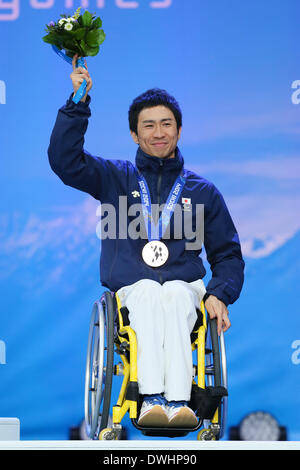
(153, 412)
(180, 415)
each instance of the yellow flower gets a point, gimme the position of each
(77, 13)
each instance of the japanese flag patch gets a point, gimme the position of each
(187, 205)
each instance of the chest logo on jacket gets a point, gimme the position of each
(186, 204)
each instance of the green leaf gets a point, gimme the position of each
(91, 38)
(83, 48)
(92, 51)
(70, 45)
(87, 18)
(95, 37)
(47, 39)
(79, 33)
(101, 36)
(50, 39)
(97, 23)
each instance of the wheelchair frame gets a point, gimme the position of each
(109, 328)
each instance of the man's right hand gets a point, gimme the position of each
(78, 75)
(217, 309)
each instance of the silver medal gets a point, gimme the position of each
(155, 253)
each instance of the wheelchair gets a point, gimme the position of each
(110, 336)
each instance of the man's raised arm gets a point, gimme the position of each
(67, 157)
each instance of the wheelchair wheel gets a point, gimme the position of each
(224, 402)
(216, 359)
(99, 366)
(206, 435)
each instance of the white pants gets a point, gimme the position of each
(163, 317)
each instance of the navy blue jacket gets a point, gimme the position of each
(120, 261)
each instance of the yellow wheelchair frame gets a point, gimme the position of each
(98, 388)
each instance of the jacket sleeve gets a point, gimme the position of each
(223, 250)
(67, 157)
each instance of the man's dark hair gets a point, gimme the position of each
(150, 98)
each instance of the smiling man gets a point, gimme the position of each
(157, 133)
(156, 277)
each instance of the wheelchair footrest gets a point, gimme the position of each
(205, 401)
(165, 431)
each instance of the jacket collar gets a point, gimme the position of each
(145, 162)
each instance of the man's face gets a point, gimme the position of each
(157, 133)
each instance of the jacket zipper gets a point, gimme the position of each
(159, 182)
(158, 202)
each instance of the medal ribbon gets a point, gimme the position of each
(80, 63)
(156, 231)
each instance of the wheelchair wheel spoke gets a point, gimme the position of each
(99, 367)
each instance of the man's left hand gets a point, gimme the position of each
(217, 309)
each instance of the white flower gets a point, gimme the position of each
(68, 26)
(62, 21)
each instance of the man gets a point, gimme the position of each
(159, 279)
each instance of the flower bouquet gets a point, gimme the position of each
(77, 34)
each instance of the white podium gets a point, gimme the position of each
(9, 429)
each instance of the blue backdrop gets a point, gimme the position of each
(234, 68)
